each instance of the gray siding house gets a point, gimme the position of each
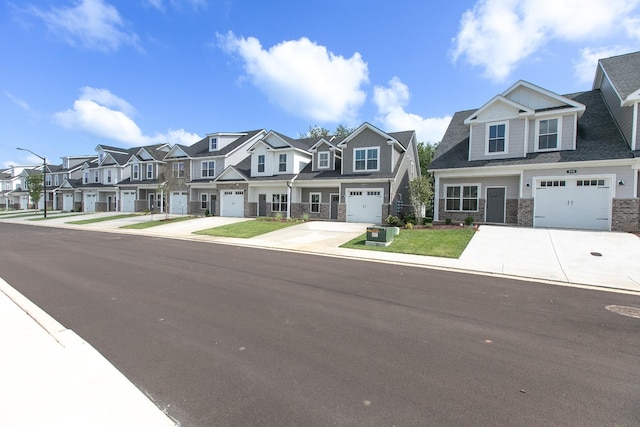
(534, 158)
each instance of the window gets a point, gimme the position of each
(556, 183)
(323, 160)
(461, 198)
(497, 137)
(315, 202)
(57, 180)
(95, 176)
(591, 182)
(108, 175)
(85, 177)
(366, 159)
(548, 134)
(178, 170)
(260, 162)
(203, 203)
(279, 203)
(150, 171)
(208, 169)
(282, 163)
(135, 172)
(47, 181)
(213, 144)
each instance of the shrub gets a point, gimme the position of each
(447, 221)
(305, 217)
(207, 213)
(394, 221)
(468, 220)
(409, 225)
(279, 216)
(428, 220)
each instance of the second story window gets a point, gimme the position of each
(497, 137)
(85, 177)
(178, 170)
(365, 159)
(150, 171)
(109, 175)
(95, 176)
(548, 134)
(323, 160)
(135, 173)
(260, 162)
(57, 180)
(48, 180)
(213, 144)
(282, 163)
(208, 169)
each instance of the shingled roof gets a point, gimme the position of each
(598, 139)
(623, 73)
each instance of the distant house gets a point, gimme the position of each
(534, 158)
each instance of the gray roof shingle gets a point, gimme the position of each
(623, 72)
(598, 139)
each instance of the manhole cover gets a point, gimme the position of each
(624, 310)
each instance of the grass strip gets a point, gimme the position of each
(248, 229)
(101, 219)
(157, 222)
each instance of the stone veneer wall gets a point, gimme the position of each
(512, 211)
(101, 206)
(626, 215)
(525, 212)
(458, 217)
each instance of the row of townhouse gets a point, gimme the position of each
(363, 177)
(531, 157)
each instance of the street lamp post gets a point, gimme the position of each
(44, 176)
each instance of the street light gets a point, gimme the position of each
(44, 176)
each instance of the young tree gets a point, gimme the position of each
(317, 131)
(426, 151)
(34, 187)
(421, 195)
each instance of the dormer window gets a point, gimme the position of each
(135, 173)
(282, 163)
(85, 177)
(323, 160)
(150, 171)
(213, 144)
(496, 138)
(548, 134)
(260, 163)
(108, 175)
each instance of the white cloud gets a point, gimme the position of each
(391, 102)
(103, 114)
(177, 4)
(585, 68)
(92, 24)
(632, 27)
(302, 77)
(497, 34)
(19, 102)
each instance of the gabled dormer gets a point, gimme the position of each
(368, 150)
(218, 141)
(277, 154)
(524, 119)
(619, 82)
(325, 154)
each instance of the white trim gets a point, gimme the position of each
(536, 143)
(202, 169)
(366, 150)
(526, 137)
(634, 128)
(311, 201)
(328, 153)
(506, 138)
(436, 199)
(461, 185)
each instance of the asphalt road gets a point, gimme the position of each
(225, 335)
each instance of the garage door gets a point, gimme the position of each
(128, 201)
(90, 202)
(67, 202)
(583, 203)
(178, 203)
(232, 203)
(365, 205)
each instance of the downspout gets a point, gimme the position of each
(289, 193)
(436, 199)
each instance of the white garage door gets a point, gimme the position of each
(365, 205)
(583, 203)
(232, 203)
(67, 202)
(178, 203)
(90, 202)
(128, 201)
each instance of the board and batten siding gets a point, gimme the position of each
(568, 138)
(622, 115)
(515, 141)
(366, 139)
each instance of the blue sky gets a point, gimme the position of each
(78, 73)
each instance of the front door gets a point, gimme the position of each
(335, 199)
(495, 205)
(152, 202)
(262, 205)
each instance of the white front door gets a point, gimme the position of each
(364, 205)
(178, 202)
(232, 203)
(580, 202)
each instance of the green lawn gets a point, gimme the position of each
(42, 218)
(157, 222)
(446, 243)
(248, 229)
(101, 219)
